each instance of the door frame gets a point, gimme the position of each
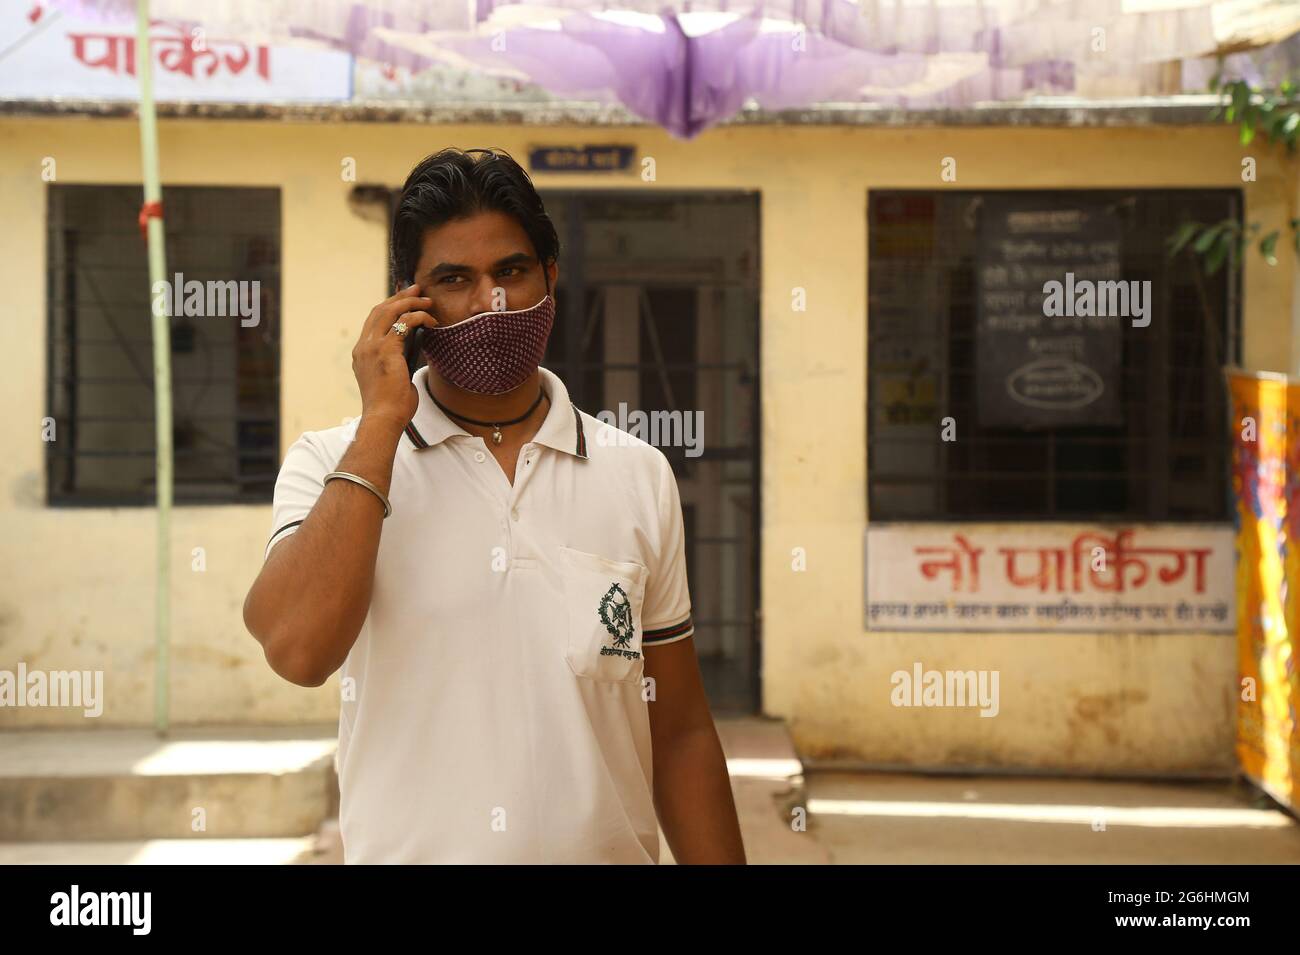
(576, 273)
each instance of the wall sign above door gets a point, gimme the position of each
(581, 158)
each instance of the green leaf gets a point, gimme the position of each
(1267, 120)
(1289, 125)
(1207, 238)
(1240, 98)
(1268, 245)
(1214, 260)
(1182, 237)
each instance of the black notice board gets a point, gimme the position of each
(1036, 370)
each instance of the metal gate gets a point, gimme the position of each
(658, 312)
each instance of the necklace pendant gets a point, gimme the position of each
(496, 435)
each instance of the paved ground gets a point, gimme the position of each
(874, 818)
(765, 775)
(788, 816)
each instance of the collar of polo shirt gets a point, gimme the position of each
(562, 428)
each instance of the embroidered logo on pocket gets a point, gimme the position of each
(615, 613)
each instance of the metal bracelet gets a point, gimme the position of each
(357, 479)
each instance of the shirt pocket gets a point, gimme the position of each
(604, 599)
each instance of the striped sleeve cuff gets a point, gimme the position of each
(280, 535)
(658, 636)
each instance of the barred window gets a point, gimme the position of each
(979, 409)
(223, 260)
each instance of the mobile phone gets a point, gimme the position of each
(413, 344)
(413, 348)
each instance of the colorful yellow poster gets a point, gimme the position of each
(1266, 487)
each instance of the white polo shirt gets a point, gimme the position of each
(492, 706)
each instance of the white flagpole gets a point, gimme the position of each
(162, 371)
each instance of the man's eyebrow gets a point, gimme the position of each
(446, 268)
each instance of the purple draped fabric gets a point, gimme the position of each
(668, 70)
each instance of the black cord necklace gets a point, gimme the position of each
(494, 425)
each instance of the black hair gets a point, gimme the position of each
(453, 184)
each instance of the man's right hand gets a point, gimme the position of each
(378, 361)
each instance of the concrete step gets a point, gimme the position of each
(270, 795)
(874, 818)
(132, 787)
(295, 851)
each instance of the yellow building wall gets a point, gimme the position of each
(78, 583)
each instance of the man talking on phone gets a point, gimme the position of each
(500, 576)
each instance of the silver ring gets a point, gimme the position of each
(399, 327)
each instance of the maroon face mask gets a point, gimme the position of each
(492, 352)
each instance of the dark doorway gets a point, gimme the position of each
(658, 312)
